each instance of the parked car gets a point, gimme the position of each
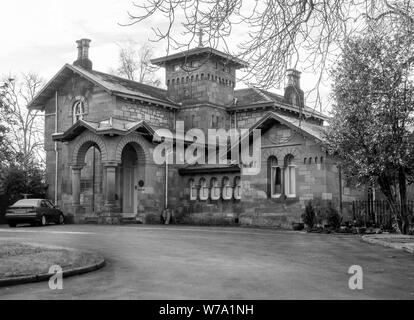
(33, 211)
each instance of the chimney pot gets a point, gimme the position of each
(83, 54)
(293, 93)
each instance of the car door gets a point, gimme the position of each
(45, 209)
(54, 214)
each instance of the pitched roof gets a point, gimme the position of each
(309, 129)
(112, 84)
(109, 126)
(252, 97)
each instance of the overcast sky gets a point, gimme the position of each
(39, 36)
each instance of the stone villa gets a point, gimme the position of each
(100, 136)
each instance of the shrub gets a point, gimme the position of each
(334, 219)
(309, 217)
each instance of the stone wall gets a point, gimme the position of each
(204, 117)
(98, 106)
(135, 111)
(209, 82)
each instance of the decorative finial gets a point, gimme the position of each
(200, 34)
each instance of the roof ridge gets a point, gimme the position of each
(129, 80)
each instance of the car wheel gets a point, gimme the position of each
(12, 225)
(43, 221)
(61, 219)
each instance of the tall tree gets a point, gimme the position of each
(277, 34)
(135, 64)
(372, 123)
(25, 127)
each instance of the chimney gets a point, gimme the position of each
(293, 93)
(83, 55)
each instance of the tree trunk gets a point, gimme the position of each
(403, 221)
(385, 186)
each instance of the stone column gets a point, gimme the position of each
(111, 211)
(76, 177)
(76, 186)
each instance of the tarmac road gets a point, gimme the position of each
(180, 262)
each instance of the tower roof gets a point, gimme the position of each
(199, 51)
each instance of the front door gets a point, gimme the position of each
(128, 202)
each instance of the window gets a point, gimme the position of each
(203, 189)
(237, 188)
(227, 189)
(275, 178)
(193, 190)
(215, 189)
(44, 204)
(290, 177)
(78, 110)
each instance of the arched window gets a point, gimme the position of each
(310, 160)
(227, 189)
(78, 110)
(215, 189)
(275, 178)
(316, 160)
(290, 177)
(193, 190)
(237, 188)
(321, 160)
(203, 189)
(305, 161)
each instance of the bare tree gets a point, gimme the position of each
(279, 34)
(24, 127)
(135, 64)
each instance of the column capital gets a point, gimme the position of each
(77, 166)
(109, 164)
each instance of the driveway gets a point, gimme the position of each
(178, 262)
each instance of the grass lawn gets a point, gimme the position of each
(22, 259)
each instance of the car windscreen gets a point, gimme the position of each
(26, 203)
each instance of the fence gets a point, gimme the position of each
(376, 212)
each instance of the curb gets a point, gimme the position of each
(398, 246)
(45, 277)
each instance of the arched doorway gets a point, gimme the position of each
(132, 178)
(91, 181)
